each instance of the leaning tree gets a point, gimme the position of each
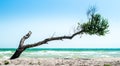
(96, 25)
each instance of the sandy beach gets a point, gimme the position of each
(61, 62)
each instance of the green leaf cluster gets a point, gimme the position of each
(96, 25)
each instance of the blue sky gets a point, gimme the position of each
(47, 17)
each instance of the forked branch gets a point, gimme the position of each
(24, 38)
(22, 47)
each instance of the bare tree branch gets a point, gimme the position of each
(24, 38)
(22, 47)
(51, 39)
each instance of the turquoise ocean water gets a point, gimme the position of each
(5, 53)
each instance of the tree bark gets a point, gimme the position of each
(17, 53)
(22, 47)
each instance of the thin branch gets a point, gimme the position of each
(53, 34)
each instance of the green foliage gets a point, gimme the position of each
(6, 62)
(96, 24)
(107, 65)
(31, 63)
(39, 63)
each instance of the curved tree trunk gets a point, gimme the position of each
(22, 47)
(17, 53)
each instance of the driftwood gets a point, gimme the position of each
(22, 47)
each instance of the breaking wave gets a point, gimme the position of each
(62, 54)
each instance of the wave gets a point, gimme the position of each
(71, 54)
(5, 52)
(62, 54)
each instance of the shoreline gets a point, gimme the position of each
(61, 62)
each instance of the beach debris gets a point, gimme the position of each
(6, 62)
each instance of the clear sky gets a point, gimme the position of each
(47, 17)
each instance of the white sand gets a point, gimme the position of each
(61, 62)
